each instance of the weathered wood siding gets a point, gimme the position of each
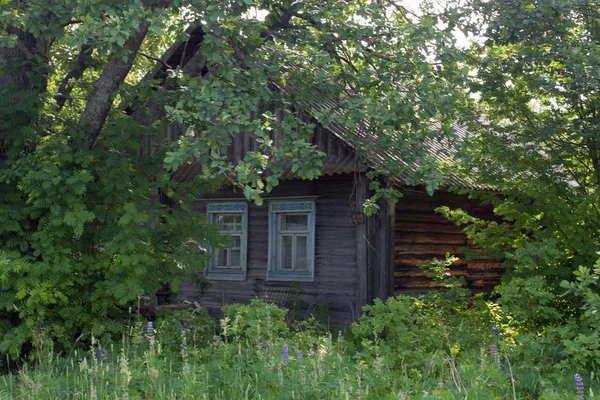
(421, 234)
(335, 250)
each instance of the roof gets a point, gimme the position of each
(343, 160)
(376, 154)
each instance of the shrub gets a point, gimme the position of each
(258, 320)
(199, 328)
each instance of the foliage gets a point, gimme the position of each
(257, 321)
(534, 139)
(91, 218)
(197, 326)
(415, 329)
(440, 271)
(321, 367)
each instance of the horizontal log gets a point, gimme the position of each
(487, 275)
(412, 262)
(430, 238)
(427, 251)
(417, 273)
(420, 226)
(479, 265)
(484, 283)
(422, 217)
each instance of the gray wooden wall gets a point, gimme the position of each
(335, 250)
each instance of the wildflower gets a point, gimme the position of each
(495, 355)
(150, 331)
(184, 354)
(300, 356)
(494, 333)
(285, 354)
(99, 352)
(579, 386)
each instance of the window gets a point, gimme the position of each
(291, 241)
(229, 263)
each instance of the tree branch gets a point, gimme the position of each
(84, 60)
(158, 60)
(114, 73)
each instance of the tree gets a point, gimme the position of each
(535, 138)
(91, 220)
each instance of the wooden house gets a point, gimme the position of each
(310, 244)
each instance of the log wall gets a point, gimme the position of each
(421, 234)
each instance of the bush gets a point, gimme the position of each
(415, 329)
(198, 326)
(258, 320)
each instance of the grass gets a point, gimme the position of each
(184, 361)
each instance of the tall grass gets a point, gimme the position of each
(310, 363)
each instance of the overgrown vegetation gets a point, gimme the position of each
(443, 345)
(91, 220)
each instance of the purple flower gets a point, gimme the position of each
(151, 337)
(150, 327)
(495, 355)
(285, 354)
(99, 352)
(494, 333)
(300, 356)
(579, 385)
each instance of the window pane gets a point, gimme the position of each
(294, 222)
(301, 253)
(235, 258)
(221, 257)
(229, 222)
(286, 251)
(236, 241)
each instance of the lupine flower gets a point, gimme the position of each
(300, 356)
(151, 337)
(285, 354)
(495, 356)
(579, 386)
(494, 333)
(99, 352)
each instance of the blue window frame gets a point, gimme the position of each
(229, 263)
(291, 241)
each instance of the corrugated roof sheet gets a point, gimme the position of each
(376, 154)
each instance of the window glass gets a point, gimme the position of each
(230, 222)
(229, 263)
(287, 251)
(294, 222)
(301, 252)
(221, 257)
(235, 258)
(291, 241)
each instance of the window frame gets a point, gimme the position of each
(227, 273)
(278, 209)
